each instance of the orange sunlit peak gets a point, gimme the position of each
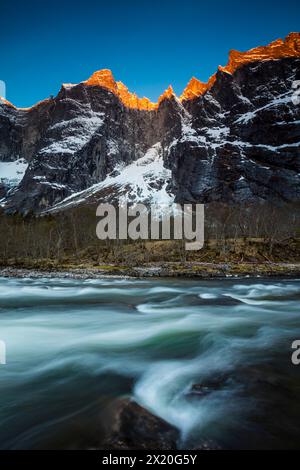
(289, 47)
(193, 89)
(102, 78)
(292, 40)
(105, 78)
(167, 94)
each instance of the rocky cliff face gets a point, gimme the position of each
(233, 139)
(242, 138)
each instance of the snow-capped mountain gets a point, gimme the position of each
(235, 138)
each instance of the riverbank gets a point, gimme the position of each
(172, 270)
(251, 257)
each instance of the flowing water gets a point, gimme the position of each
(213, 358)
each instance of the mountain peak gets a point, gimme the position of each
(292, 40)
(289, 47)
(105, 78)
(167, 94)
(102, 78)
(193, 89)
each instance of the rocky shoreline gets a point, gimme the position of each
(172, 270)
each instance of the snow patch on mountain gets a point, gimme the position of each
(284, 98)
(11, 173)
(147, 178)
(218, 132)
(113, 147)
(143, 181)
(74, 133)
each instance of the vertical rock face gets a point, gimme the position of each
(233, 139)
(242, 139)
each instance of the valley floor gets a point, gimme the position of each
(251, 257)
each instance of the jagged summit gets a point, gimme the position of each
(105, 78)
(289, 47)
(193, 89)
(167, 95)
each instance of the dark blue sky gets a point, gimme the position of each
(147, 44)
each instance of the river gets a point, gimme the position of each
(212, 358)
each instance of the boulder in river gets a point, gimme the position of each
(136, 428)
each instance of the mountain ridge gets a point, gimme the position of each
(236, 142)
(289, 47)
